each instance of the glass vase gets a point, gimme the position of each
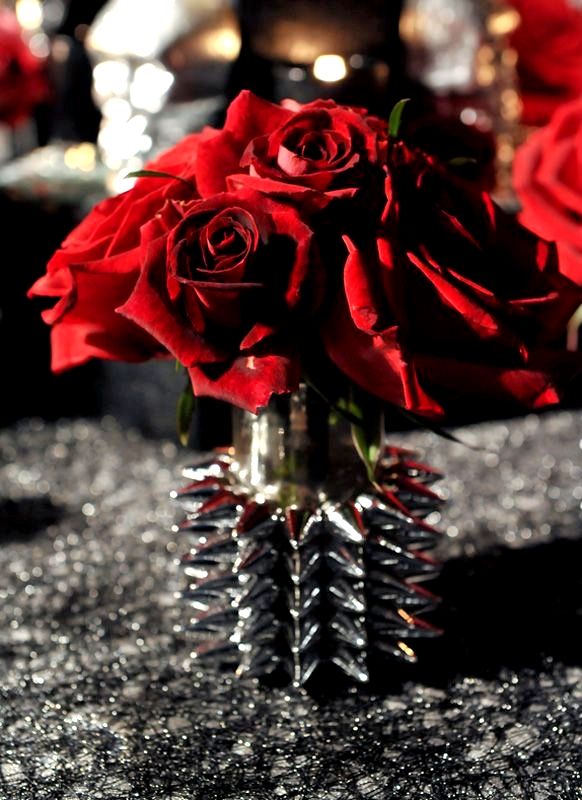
(300, 565)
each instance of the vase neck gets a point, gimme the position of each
(294, 451)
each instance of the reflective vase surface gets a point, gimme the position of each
(299, 567)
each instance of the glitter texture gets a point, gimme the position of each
(99, 697)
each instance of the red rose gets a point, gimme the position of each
(455, 299)
(23, 83)
(549, 46)
(319, 147)
(548, 179)
(97, 266)
(221, 282)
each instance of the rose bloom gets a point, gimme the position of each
(315, 152)
(455, 305)
(321, 150)
(222, 285)
(547, 176)
(96, 268)
(549, 46)
(23, 83)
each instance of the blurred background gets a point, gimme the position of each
(90, 89)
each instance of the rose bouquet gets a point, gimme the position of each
(296, 233)
(548, 180)
(310, 246)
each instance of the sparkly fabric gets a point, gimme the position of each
(99, 699)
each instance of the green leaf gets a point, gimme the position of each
(396, 116)
(152, 173)
(184, 414)
(368, 443)
(462, 161)
(342, 407)
(368, 432)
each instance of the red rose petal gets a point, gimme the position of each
(249, 381)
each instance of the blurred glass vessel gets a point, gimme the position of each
(442, 38)
(143, 54)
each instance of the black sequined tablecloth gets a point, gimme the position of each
(100, 699)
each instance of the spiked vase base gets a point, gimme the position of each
(293, 593)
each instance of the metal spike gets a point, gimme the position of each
(258, 533)
(344, 595)
(294, 590)
(210, 467)
(202, 489)
(259, 591)
(214, 650)
(310, 562)
(255, 558)
(311, 528)
(310, 598)
(343, 523)
(391, 513)
(389, 591)
(309, 664)
(350, 629)
(213, 543)
(401, 625)
(206, 575)
(310, 633)
(253, 515)
(396, 649)
(352, 664)
(216, 620)
(259, 663)
(404, 564)
(345, 562)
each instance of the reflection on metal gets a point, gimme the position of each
(290, 453)
(290, 576)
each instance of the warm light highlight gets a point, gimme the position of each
(330, 68)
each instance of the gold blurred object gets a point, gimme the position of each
(329, 68)
(505, 101)
(81, 156)
(503, 21)
(299, 32)
(217, 39)
(461, 48)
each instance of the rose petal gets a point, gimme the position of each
(92, 329)
(249, 381)
(150, 307)
(375, 363)
(361, 291)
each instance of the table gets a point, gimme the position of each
(100, 699)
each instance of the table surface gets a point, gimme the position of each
(100, 699)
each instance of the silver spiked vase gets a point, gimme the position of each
(299, 567)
